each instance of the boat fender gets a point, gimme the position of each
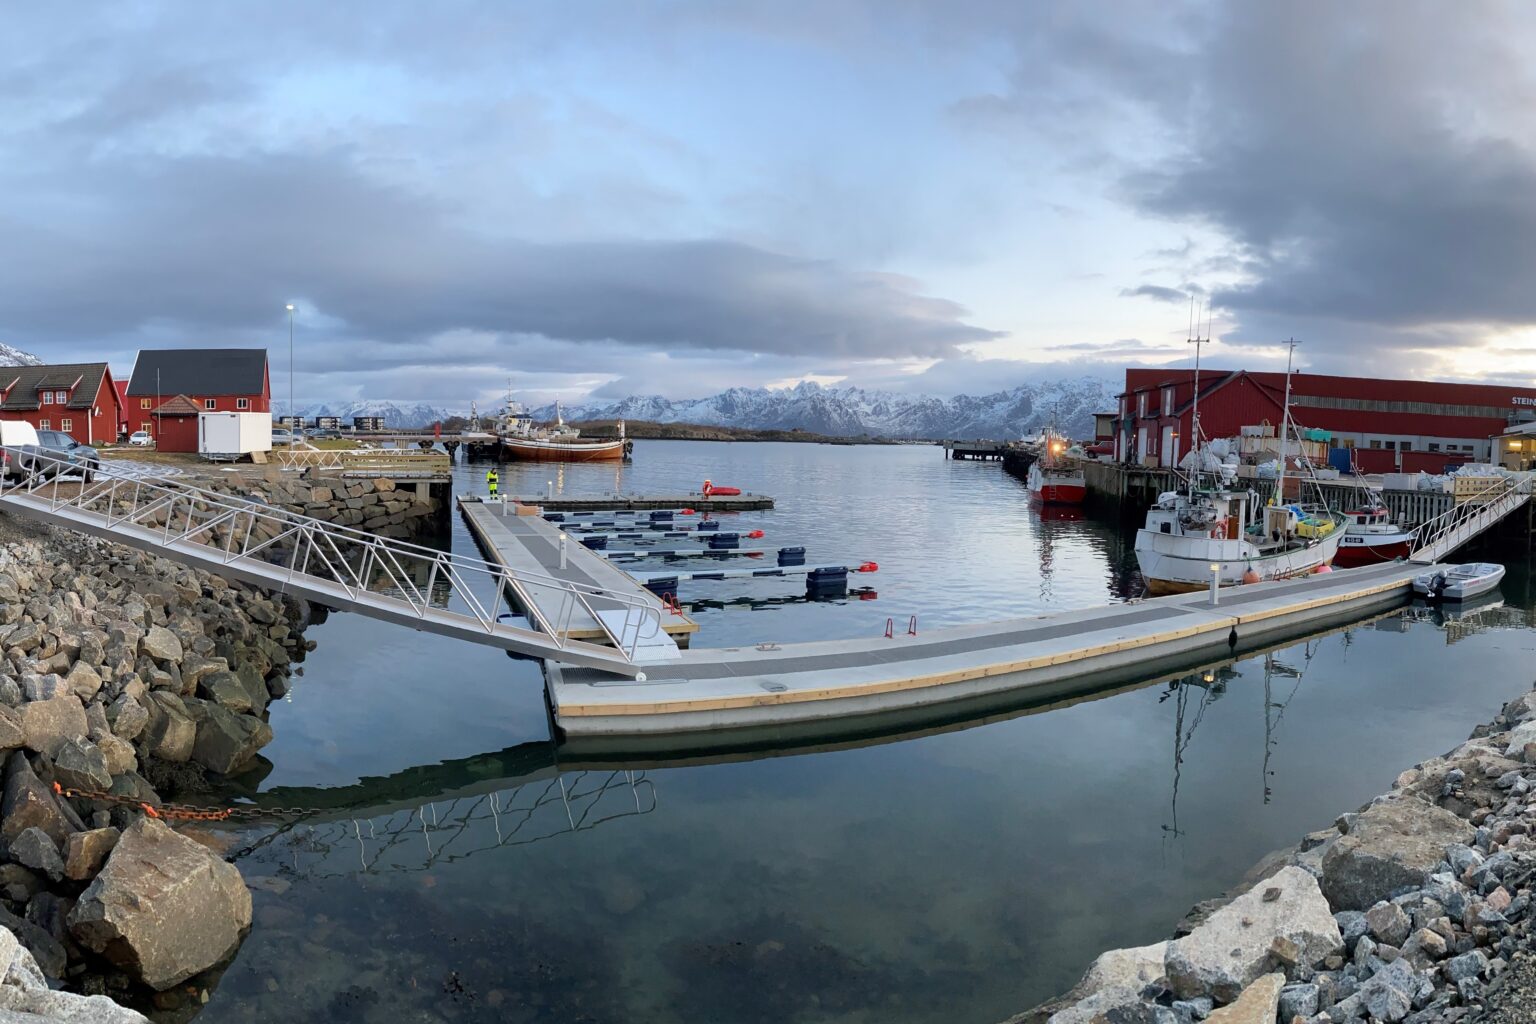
(1232, 638)
(868, 567)
(1322, 569)
(1250, 576)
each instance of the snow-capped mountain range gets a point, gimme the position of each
(12, 356)
(839, 411)
(853, 411)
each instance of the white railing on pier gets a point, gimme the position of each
(379, 461)
(1470, 516)
(337, 566)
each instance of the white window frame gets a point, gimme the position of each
(43, 424)
(66, 425)
(242, 403)
(1141, 404)
(1167, 401)
(47, 397)
(210, 404)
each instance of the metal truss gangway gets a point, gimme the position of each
(341, 567)
(1471, 515)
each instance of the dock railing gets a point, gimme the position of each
(388, 578)
(1473, 512)
(376, 461)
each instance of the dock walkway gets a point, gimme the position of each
(528, 543)
(772, 688)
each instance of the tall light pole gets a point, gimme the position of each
(292, 414)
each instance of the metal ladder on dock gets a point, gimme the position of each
(1469, 517)
(336, 566)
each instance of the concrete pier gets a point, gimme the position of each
(978, 449)
(781, 691)
(614, 502)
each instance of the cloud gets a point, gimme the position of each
(1156, 292)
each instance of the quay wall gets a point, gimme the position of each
(379, 505)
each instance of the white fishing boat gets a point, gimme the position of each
(1459, 582)
(1207, 530)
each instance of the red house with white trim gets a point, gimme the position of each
(77, 398)
(210, 379)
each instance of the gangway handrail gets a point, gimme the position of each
(1470, 515)
(131, 507)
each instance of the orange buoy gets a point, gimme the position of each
(1250, 576)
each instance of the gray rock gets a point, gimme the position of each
(1389, 995)
(47, 687)
(1255, 1005)
(128, 717)
(1351, 926)
(1462, 858)
(1468, 965)
(1519, 737)
(83, 681)
(1391, 845)
(81, 765)
(27, 802)
(25, 995)
(226, 742)
(1114, 980)
(18, 884)
(11, 734)
(52, 960)
(163, 907)
(33, 849)
(226, 690)
(1389, 923)
(88, 851)
(170, 733)
(161, 644)
(1298, 1001)
(119, 754)
(1232, 948)
(46, 724)
(1198, 1008)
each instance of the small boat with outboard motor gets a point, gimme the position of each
(1459, 582)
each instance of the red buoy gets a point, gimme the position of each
(868, 567)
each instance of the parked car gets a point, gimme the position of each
(281, 435)
(141, 439)
(23, 454)
(81, 457)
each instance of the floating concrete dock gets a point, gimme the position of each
(528, 543)
(778, 693)
(614, 502)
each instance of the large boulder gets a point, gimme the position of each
(226, 742)
(161, 644)
(46, 724)
(1236, 945)
(24, 991)
(81, 765)
(27, 802)
(1115, 979)
(163, 907)
(170, 732)
(1391, 845)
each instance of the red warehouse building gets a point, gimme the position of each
(77, 398)
(209, 379)
(1405, 425)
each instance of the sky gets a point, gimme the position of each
(606, 198)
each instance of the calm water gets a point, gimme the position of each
(472, 873)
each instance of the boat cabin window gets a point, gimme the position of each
(1167, 527)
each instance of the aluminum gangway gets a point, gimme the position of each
(338, 566)
(1470, 516)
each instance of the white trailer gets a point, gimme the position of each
(230, 435)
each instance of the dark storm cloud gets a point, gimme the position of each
(219, 243)
(1156, 292)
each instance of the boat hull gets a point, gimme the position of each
(1182, 565)
(523, 450)
(1060, 494)
(1357, 550)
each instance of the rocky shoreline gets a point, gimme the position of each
(1415, 908)
(125, 680)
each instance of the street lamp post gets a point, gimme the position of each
(292, 412)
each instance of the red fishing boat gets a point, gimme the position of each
(1052, 481)
(1371, 536)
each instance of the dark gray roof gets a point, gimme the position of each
(198, 371)
(20, 384)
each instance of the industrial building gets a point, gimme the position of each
(1390, 425)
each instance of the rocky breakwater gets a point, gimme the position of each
(1416, 908)
(123, 678)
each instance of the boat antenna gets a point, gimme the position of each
(1194, 423)
(1285, 421)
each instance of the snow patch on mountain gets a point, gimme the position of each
(397, 416)
(12, 356)
(852, 411)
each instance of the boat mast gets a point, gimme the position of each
(1285, 422)
(1194, 423)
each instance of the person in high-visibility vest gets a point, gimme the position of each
(491, 481)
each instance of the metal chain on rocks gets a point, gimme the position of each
(183, 812)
